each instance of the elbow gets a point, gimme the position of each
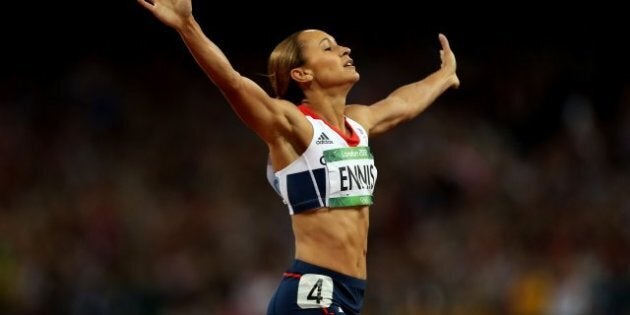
(231, 83)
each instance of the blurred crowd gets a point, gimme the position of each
(136, 190)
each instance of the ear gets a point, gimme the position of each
(301, 75)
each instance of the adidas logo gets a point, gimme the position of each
(323, 139)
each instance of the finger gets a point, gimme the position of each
(146, 3)
(444, 42)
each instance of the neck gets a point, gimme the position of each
(334, 116)
(329, 108)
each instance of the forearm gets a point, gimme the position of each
(250, 102)
(417, 96)
(405, 103)
(208, 55)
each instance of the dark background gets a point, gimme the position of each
(128, 186)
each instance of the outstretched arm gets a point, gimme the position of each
(409, 100)
(254, 106)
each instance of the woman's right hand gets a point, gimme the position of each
(173, 13)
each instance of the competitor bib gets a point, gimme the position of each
(352, 175)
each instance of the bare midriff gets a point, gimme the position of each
(333, 238)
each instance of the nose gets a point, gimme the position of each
(345, 51)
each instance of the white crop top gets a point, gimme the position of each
(333, 171)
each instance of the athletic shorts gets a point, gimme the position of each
(309, 289)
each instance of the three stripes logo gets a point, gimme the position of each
(323, 139)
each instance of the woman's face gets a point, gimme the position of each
(327, 62)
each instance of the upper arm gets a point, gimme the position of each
(381, 116)
(269, 117)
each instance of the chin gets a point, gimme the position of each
(357, 76)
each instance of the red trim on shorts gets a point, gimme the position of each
(352, 140)
(326, 312)
(292, 275)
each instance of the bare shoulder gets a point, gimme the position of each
(291, 122)
(359, 113)
(290, 112)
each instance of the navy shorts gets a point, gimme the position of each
(309, 289)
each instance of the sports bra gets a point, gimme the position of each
(335, 171)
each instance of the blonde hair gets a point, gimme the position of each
(286, 56)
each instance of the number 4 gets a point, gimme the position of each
(318, 286)
(315, 291)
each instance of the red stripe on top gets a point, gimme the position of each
(292, 275)
(352, 140)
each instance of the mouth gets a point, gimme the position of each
(349, 63)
